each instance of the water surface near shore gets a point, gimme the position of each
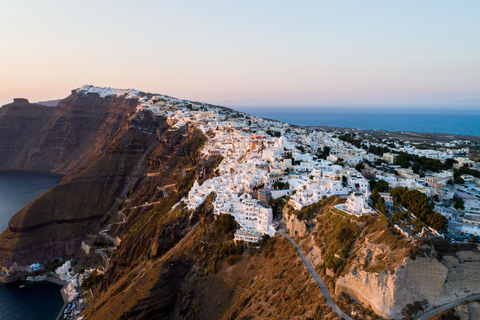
(18, 188)
(37, 301)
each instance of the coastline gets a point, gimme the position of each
(65, 302)
(62, 292)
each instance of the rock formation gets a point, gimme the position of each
(437, 282)
(83, 139)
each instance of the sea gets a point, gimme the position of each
(37, 301)
(453, 120)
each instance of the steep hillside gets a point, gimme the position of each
(191, 270)
(57, 221)
(87, 137)
(63, 138)
(367, 260)
(181, 264)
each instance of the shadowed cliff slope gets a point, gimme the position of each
(62, 138)
(87, 138)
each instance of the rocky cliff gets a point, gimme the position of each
(179, 264)
(59, 139)
(172, 263)
(367, 260)
(427, 280)
(84, 137)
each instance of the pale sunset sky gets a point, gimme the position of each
(261, 52)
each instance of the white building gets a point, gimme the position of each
(248, 212)
(64, 271)
(357, 204)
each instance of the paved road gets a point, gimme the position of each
(144, 205)
(108, 237)
(447, 306)
(104, 256)
(104, 234)
(321, 284)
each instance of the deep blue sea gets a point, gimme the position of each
(454, 120)
(39, 301)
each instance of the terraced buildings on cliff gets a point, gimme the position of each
(269, 159)
(254, 161)
(193, 159)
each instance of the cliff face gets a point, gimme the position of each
(62, 138)
(192, 279)
(85, 138)
(368, 261)
(296, 227)
(437, 282)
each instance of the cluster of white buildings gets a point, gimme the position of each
(65, 271)
(254, 163)
(280, 160)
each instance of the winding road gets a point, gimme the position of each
(437, 310)
(104, 234)
(321, 284)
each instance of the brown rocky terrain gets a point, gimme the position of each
(190, 270)
(85, 137)
(368, 261)
(59, 139)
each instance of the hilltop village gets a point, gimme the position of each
(264, 160)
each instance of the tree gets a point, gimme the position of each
(405, 164)
(281, 185)
(437, 221)
(360, 166)
(416, 167)
(465, 170)
(374, 196)
(378, 150)
(459, 204)
(403, 157)
(419, 204)
(459, 180)
(397, 193)
(380, 205)
(450, 162)
(326, 151)
(228, 225)
(382, 186)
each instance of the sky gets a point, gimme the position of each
(263, 52)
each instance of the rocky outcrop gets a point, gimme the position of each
(295, 226)
(437, 282)
(468, 311)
